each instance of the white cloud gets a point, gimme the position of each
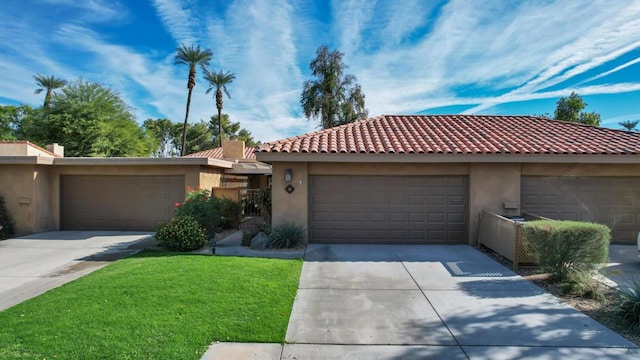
(178, 19)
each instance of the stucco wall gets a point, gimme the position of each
(292, 207)
(491, 187)
(581, 169)
(43, 220)
(210, 178)
(17, 188)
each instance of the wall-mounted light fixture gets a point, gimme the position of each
(288, 175)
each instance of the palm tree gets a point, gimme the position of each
(219, 81)
(48, 84)
(191, 56)
(630, 125)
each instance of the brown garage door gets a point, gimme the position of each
(118, 202)
(388, 209)
(613, 201)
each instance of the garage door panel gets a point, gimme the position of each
(118, 202)
(384, 209)
(612, 201)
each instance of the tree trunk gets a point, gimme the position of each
(220, 125)
(219, 106)
(184, 128)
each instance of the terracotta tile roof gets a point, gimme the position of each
(461, 134)
(216, 153)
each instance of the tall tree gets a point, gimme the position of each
(230, 130)
(89, 120)
(12, 120)
(167, 135)
(219, 81)
(630, 125)
(570, 109)
(199, 138)
(334, 98)
(48, 84)
(192, 57)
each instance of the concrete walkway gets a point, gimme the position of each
(33, 264)
(623, 267)
(415, 302)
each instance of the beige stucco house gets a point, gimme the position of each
(427, 179)
(44, 190)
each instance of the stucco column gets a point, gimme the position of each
(494, 187)
(290, 207)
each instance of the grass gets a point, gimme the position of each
(155, 306)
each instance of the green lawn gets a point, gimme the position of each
(155, 306)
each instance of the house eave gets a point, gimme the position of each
(26, 160)
(116, 161)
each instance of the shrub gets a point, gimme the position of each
(246, 238)
(231, 212)
(202, 207)
(567, 249)
(286, 236)
(6, 222)
(266, 228)
(264, 203)
(629, 307)
(182, 233)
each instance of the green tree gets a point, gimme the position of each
(199, 138)
(48, 84)
(230, 131)
(570, 109)
(334, 98)
(630, 125)
(89, 120)
(192, 57)
(219, 81)
(167, 135)
(12, 120)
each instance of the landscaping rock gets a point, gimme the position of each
(260, 241)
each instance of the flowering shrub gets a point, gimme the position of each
(181, 234)
(203, 208)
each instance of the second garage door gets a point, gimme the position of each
(388, 209)
(613, 201)
(118, 202)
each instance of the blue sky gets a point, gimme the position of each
(411, 57)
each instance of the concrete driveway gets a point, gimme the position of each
(623, 267)
(33, 264)
(415, 302)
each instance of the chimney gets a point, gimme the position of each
(56, 149)
(233, 149)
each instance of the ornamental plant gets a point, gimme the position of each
(203, 208)
(569, 250)
(6, 222)
(182, 234)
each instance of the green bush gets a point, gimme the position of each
(567, 249)
(264, 202)
(629, 307)
(6, 222)
(286, 236)
(204, 208)
(247, 236)
(231, 212)
(182, 233)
